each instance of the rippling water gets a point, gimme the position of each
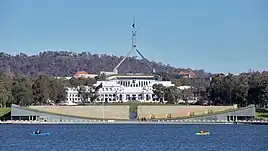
(134, 138)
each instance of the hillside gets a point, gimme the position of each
(67, 63)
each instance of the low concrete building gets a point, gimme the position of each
(120, 112)
(246, 113)
(62, 113)
(19, 113)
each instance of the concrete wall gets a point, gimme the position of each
(177, 111)
(122, 112)
(17, 111)
(108, 112)
(247, 111)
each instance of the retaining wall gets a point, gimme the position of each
(18, 111)
(178, 111)
(108, 112)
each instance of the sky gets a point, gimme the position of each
(217, 36)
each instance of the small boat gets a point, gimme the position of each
(41, 134)
(204, 133)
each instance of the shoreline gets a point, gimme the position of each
(165, 122)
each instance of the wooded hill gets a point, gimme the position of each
(68, 63)
(29, 80)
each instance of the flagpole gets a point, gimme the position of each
(134, 35)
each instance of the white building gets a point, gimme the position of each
(129, 88)
(124, 88)
(73, 95)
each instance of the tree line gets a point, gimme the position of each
(25, 90)
(243, 89)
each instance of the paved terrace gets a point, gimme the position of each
(264, 122)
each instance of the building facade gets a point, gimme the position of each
(130, 88)
(125, 88)
(73, 95)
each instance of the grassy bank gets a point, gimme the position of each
(262, 113)
(64, 115)
(4, 111)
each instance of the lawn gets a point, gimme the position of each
(262, 113)
(4, 111)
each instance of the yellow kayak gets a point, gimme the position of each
(204, 133)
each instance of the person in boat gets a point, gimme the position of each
(37, 131)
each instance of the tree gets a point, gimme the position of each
(41, 90)
(64, 63)
(258, 89)
(5, 85)
(170, 94)
(186, 95)
(4, 96)
(21, 93)
(84, 93)
(57, 91)
(95, 94)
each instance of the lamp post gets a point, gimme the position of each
(103, 110)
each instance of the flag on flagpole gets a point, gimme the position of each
(133, 25)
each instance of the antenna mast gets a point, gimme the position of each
(134, 32)
(133, 49)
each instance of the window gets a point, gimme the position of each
(133, 97)
(128, 97)
(140, 97)
(147, 97)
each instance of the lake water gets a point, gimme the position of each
(134, 138)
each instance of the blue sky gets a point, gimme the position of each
(218, 36)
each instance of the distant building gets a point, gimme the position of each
(79, 74)
(187, 74)
(84, 74)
